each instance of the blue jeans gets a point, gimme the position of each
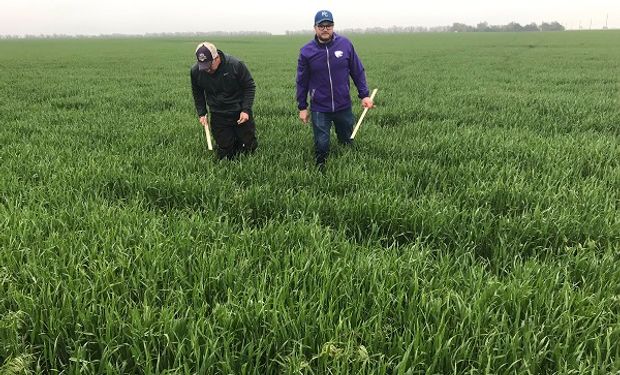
(321, 125)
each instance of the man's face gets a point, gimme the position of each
(214, 65)
(324, 31)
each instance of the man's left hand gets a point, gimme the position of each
(243, 117)
(368, 103)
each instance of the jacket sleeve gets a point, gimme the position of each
(303, 79)
(248, 86)
(199, 96)
(358, 74)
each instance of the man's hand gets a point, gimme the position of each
(243, 117)
(368, 103)
(304, 116)
(203, 120)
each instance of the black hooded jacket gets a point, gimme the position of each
(229, 90)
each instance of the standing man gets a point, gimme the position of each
(323, 70)
(225, 84)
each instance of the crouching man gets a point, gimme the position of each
(224, 84)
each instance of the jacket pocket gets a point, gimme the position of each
(321, 98)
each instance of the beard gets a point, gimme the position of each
(325, 37)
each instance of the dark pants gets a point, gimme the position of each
(321, 125)
(232, 138)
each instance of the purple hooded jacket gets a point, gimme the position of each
(323, 71)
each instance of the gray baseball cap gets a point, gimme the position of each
(205, 54)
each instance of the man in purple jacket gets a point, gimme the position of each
(323, 70)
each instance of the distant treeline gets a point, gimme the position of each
(512, 27)
(456, 27)
(147, 35)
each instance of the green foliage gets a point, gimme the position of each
(474, 228)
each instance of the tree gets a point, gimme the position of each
(513, 26)
(483, 26)
(461, 28)
(553, 26)
(531, 27)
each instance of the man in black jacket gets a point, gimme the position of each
(225, 84)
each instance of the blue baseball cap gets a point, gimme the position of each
(323, 15)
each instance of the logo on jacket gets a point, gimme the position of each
(338, 54)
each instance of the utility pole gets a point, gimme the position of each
(606, 20)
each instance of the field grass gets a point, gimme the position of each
(474, 229)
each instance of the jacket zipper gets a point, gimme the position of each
(331, 85)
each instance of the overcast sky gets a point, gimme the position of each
(20, 17)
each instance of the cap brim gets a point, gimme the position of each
(323, 20)
(205, 65)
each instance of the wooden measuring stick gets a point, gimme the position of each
(359, 122)
(208, 136)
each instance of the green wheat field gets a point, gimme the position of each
(473, 229)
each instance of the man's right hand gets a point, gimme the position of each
(304, 116)
(203, 120)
